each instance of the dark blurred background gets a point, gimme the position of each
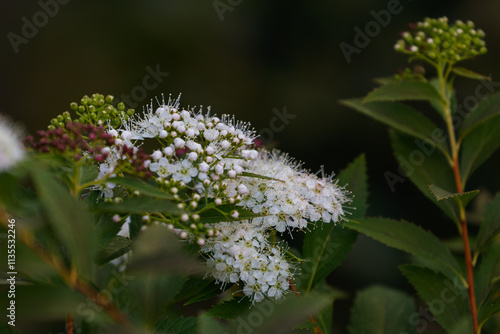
(247, 58)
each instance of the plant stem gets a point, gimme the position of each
(458, 181)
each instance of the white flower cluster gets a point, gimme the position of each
(294, 198)
(11, 148)
(240, 251)
(206, 162)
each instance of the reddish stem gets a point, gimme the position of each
(317, 330)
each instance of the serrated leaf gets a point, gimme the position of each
(483, 111)
(490, 226)
(325, 247)
(144, 188)
(447, 301)
(464, 72)
(380, 310)
(404, 90)
(114, 249)
(230, 309)
(424, 166)
(192, 286)
(400, 117)
(411, 239)
(137, 205)
(180, 325)
(211, 291)
(478, 146)
(441, 194)
(69, 219)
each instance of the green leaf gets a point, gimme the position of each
(400, 117)
(464, 72)
(487, 271)
(464, 326)
(490, 226)
(211, 291)
(404, 90)
(208, 325)
(230, 309)
(87, 173)
(385, 80)
(178, 325)
(441, 194)
(447, 300)
(116, 248)
(491, 305)
(325, 247)
(144, 188)
(138, 205)
(69, 219)
(380, 310)
(192, 286)
(258, 176)
(411, 239)
(424, 166)
(478, 146)
(483, 111)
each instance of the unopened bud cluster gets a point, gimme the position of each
(436, 40)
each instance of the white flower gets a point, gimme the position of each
(11, 149)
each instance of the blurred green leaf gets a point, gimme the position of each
(381, 310)
(192, 286)
(139, 205)
(464, 72)
(222, 214)
(463, 326)
(411, 239)
(87, 173)
(400, 117)
(483, 111)
(258, 176)
(404, 90)
(114, 249)
(144, 188)
(211, 291)
(178, 325)
(491, 305)
(325, 247)
(229, 309)
(441, 194)
(447, 301)
(424, 166)
(490, 225)
(207, 325)
(69, 219)
(487, 271)
(157, 250)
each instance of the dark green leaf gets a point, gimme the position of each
(491, 305)
(138, 205)
(424, 166)
(464, 72)
(385, 80)
(464, 326)
(404, 90)
(211, 291)
(447, 300)
(87, 173)
(116, 248)
(178, 325)
(222, 214)
(490, 226)
(192, 286)
(144, 188)
(69, 219)
(230, 309)
(326, 246)
(487, 271)
(248, 174)
(380, 310)
(400, 117)
(441, 194)
(411, 239)
(483, 111)
(478, 146)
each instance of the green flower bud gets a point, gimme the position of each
(110, 98)
(92, 109)
(74, 106)
(130, 112)
(85, 100)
